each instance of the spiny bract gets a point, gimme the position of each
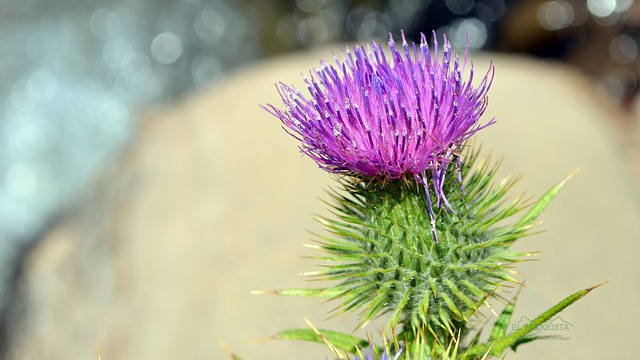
(387, 260)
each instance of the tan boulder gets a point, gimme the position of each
(212, 200)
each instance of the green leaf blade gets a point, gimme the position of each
(542, 203)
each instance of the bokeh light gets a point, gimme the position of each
(76, 73)
(555, 15)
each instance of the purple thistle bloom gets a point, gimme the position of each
(385, 356)
(399, 120)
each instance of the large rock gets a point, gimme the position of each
(212, 200)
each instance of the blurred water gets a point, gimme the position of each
(74, 72)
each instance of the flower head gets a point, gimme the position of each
(380, 119)
(371, 117)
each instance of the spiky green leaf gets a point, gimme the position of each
(340, 340)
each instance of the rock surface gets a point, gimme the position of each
(213, 200)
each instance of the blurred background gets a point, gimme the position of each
(76, 74)
(79, 76)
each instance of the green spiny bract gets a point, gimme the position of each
(387, 260)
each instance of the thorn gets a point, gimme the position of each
(228, 351)
(384, 335)
(571, 175)
(274, 337)
(321, 220)
(370, 338)
(515, 298)
(532, 253)
(324, 339)
(309, 273)
(597, 286)
(487, 303)
(264, 292)
(312, 246)
(517, 282)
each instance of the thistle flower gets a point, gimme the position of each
(369, 117)
(385, 356)
(400, 126)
